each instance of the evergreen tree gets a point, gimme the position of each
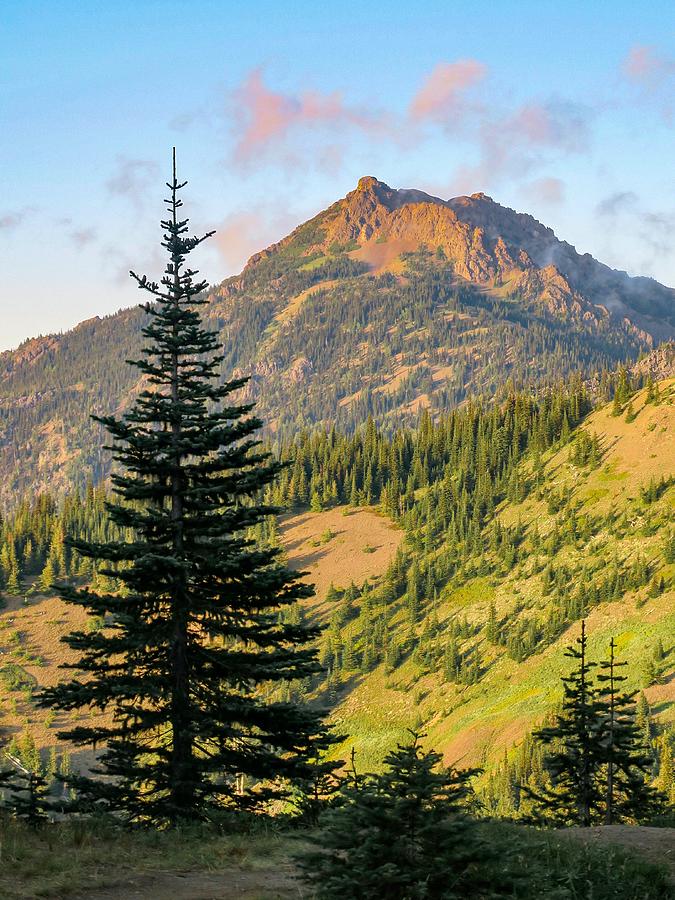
(652, 395)
(195, 631)
(24, 749)
(26, 797)
(47, 576)
(628, 796)
(403, 834)
(666, 770)
(14, 581)
(576, 748)
(622, 391)
(314, 793)
(492, 628)
(631, 415)
(643, 718)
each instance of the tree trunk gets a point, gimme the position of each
(609, 800)
(182, 750)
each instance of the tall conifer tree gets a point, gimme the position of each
(575, 746)
(23, 794)
(194, 638)
(628, 796)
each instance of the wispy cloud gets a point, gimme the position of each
(443, 95)
(267, 117)
(657, 232)
(645, 65)
(246, 232)
(81, 237)
(132, 179)
(558, 124)
(314, 128)
(513, 143)
(116, 261)
(184, 121)
(616, 203)
(652, 228)
(547, 190)
(13, 219)
(652, 75)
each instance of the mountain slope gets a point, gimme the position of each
(584, 533)
(587, 522)
(327, 545)
(487, 244)
(385, 303)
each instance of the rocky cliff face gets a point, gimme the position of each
(659, 364)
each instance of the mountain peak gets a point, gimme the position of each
(485, 243)
(391, 198)
(369, 183)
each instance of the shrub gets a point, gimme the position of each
(402, 835)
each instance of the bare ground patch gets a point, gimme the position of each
(384, 256)
(273, 883)
(362, 546)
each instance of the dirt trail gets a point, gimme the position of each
(278, 882)
(655, 845)
(274, 883)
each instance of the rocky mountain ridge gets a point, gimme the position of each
(386, 303)
(490, 245)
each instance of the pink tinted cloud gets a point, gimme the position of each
(443, 93)
(12, 219)
(315, 127)
(268, 116)
(561, 126)
(645, 66)
(652, 75)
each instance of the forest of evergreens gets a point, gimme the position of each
(441, 482)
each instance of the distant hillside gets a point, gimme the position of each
(30, 630)
(453, 565)
(385, 303)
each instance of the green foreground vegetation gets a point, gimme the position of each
(76, 858)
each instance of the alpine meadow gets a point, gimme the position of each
(351, 575)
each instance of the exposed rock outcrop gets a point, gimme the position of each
(490, 245)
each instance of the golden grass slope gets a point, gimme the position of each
(330, 546)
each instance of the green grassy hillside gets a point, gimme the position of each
(597, 536)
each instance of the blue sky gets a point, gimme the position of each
(564, 110)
